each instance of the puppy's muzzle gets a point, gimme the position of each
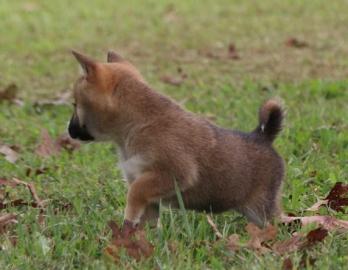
(79, 132)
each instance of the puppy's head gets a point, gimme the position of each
(95, 102)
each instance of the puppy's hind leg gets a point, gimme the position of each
(261, 209)
(255, 215)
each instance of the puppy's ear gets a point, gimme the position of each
(88, 65)
(114, 57)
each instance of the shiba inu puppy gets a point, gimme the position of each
(162, 146)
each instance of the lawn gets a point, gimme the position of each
(295, 50)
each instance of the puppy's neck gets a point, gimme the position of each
(139, 107)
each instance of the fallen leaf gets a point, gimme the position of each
(287, 264)
(295, 43)
(38, 203)
(214, 227)
(299, 242)
(316, 235)
(173, 246)
(62, 99)
(233, 243)
(10, 154)
(259, 236)
(9, 93)
(30, 7)
(18, 202)
(327, 222)
(334, 199)
(170, 14)
(41, 218)
(32, 190)
(132, 241)
(212, 55)
(289, 245)
(66, 142)
(6, 182)
(31, 171)
(5, 220)
(232, 52)
(15, 182)
(13, 240)
(292, 226)
(61, 206)
(317, 205)
(175, 81)
(49, 146)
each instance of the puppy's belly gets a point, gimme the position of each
(195, 200)
(133, 167)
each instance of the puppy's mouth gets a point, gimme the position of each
(80, 133)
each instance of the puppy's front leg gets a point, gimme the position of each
(147, 189)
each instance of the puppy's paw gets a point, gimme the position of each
(128, 228)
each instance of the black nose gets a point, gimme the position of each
(78, 132)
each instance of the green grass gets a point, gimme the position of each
(159, 37)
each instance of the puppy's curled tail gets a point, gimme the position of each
(271, 116)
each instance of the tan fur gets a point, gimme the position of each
(160, 143)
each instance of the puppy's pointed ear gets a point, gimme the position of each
(88, 65)
(114, 57)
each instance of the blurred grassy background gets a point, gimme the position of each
(159, 36)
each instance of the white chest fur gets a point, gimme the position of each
(132, 167)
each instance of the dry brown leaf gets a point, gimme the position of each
(299, 241)
(10, 154)
(8, 183)
(335, 199)
(9, 93)
(66, 142)
(327, 222)
(259, 236)
(315, 236)
(175, 81)
(289, 245)
(49, 146)
(37, 171)
(38, 203)
(173, 246)
(133, 241)
(30, 6)
(5, 220)
(63, 99)
(214, 227)
(32, 190)
(15, 182)
(317, 205)
(287, 264)
(294, 225)
(296, 43)
(18, 202)
(232, 52)
(170, 15)
(233, 243)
